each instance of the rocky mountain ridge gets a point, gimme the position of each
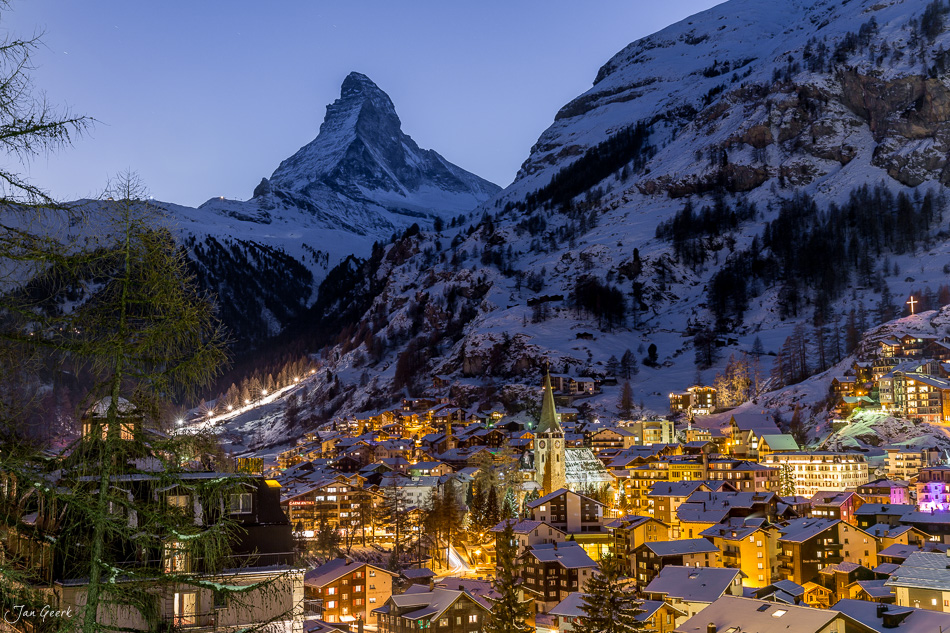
(360, 181)
(747, 115)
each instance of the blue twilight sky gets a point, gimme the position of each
(204, 98)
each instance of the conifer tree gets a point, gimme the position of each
(610, 606)
(492, 511)
(510, 506)
(613, 366)
(393, 513)
(142, 333)
(625, 402)
(786, 481)
(508, 611)
(628, 363)
(327, 538)
(476, 514)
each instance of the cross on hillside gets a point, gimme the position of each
(912, 303)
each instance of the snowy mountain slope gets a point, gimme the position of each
(728, 76)
(868, 431)
(747, 106)
(361, 180)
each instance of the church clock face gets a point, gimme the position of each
(541, 444)
(557, 443)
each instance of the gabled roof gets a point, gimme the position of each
(693, 584)
(481, 590)
(909, 619)
(801, 530)
(831, 498)
(734, 529)
(761, 423)
(886, 568)
(789, 587)
(570, 607)
(619, 430)
(522, 527)
(334, 569)
(430, 603)
(884, 530)
(783, 442)
(569, 555)
(846, 567)
(875, 588)
(885, 483)
(926, 518)
(895, 509)
(675, 488)
(426, 465)
(923, 570)
(557, 493)
(630, 521)
(682, 547)
(748, 614)
(899, 550)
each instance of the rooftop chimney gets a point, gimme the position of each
(711, 628)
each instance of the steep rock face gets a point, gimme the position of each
(910, 119)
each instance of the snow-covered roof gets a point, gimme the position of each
(748, 614)
(334, 569)
(900, 619)
(569, 555)
(682, 547)
(101, 408)
(693, 584)
(801, 530)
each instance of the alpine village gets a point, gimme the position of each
(688, 373)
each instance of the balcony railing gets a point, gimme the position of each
(312, 608)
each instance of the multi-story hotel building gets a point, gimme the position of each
(822, 470)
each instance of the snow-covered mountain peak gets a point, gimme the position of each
(362, 152)
(679, 206)
(361, 180)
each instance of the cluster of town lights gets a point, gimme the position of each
(230, 407)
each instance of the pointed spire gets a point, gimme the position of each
(548, 421)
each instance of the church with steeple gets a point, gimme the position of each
(550, 454)
(552, 466)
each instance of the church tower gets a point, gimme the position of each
(549, 453)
